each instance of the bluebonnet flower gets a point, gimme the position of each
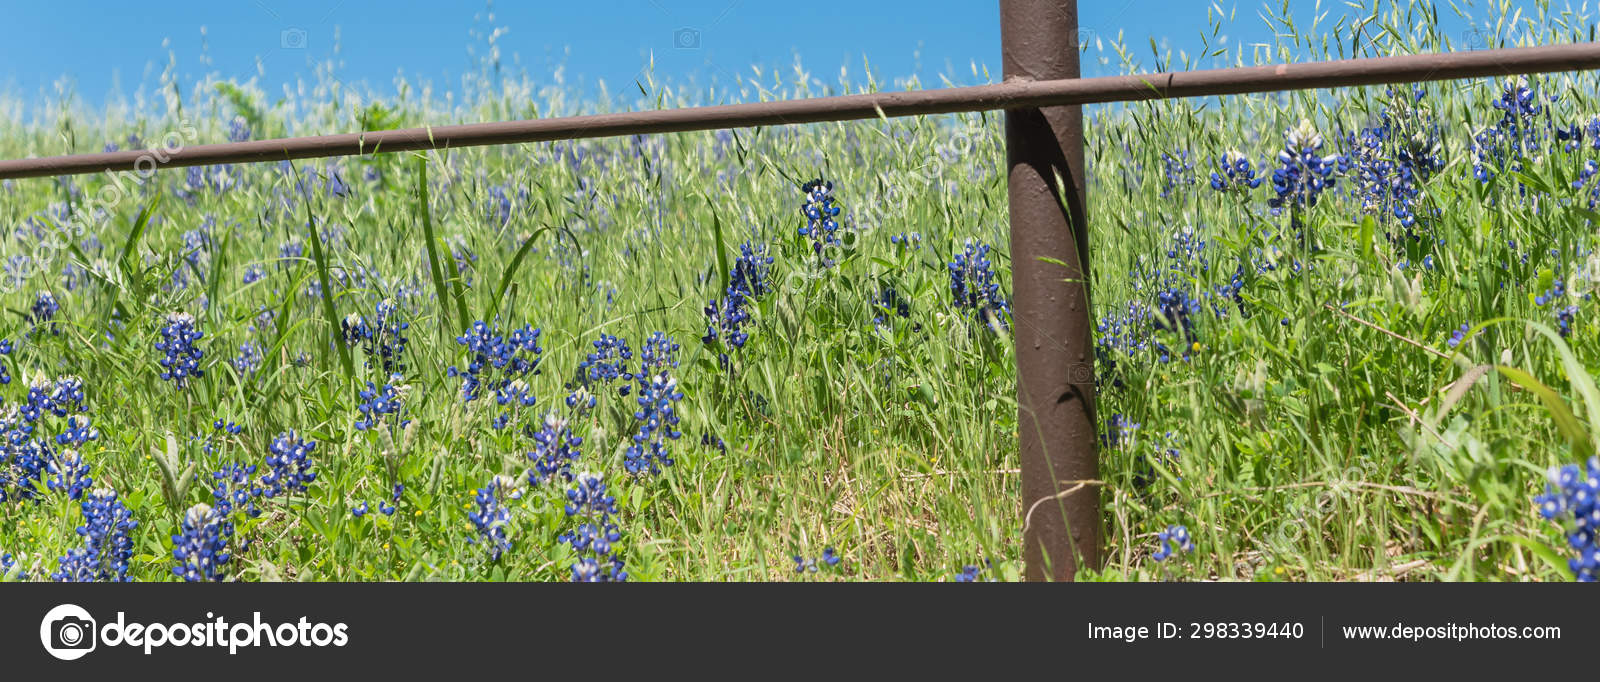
(495, 360)
(889, 304)
(253, 273)
(1171, 540)
(1564, 319)
(1119, 432)
(658, 423)
(1302, 174)
(497, 208)
(594, 539)
(1574, 135)
(555, 449)
(1564, 314)
(43, 312)
(1176, 306)
(5, 349)
(23, 459)
(222, 428)
(514, 396)
(821, 214)
(1586, 180)
(607, 364)
(201, 545)
(69, 472)
(77, 431)
(60, 398)
(289, 464)
(726, 316)
(659, 352)
(1234, 173)
(198, 179)
(359, 510)
(238, 129)
(249, 358)
(387, 509)
(1572, 498)
(1517, 136)
(182, 356)
(233, 492)
(588, 570)
(749, 276)
(379, 403)
(491, 516)
(968, 574)
(107, 542)
(8, 566)
(1390, 161)
(382, 339)
(911, 240)
(289, 252)
(973, 284)
(1520, 107)
(1177, 171)
(197, 245)
(829, 559)
(72, 276)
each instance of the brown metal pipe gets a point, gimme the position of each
(1050, 285)
(1008, 95)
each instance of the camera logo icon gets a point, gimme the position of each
(686, 38)
(68, 632)
(292, 39)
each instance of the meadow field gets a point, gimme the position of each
(1342, 335)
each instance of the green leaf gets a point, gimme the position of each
(1550, 557)
(1577, 374)
(1565, 422)
(1369, 226)
(511, 271)
(722, 247)
(1531, 179)
(328, 310)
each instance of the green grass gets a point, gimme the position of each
(1318, 435)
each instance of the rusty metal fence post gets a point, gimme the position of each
(1050, 281)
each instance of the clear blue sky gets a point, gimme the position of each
(101, 47)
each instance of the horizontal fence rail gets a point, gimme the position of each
(1015, 94)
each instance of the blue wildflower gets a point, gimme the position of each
(289, 464)
(1234, 173)
(658, 423)
(382, 339)
(495, 360)
(1572, 498)
(107, 542)
(69, 472)
(821, 214)
(1177, 171)
(594, 539)
(249, 359)
(1302, 174)
(492, 516)
(43, 312)
(377, 404)
(182, 356)
(555, 449)
(201, 545)
(972, 282)
(1171, 540)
